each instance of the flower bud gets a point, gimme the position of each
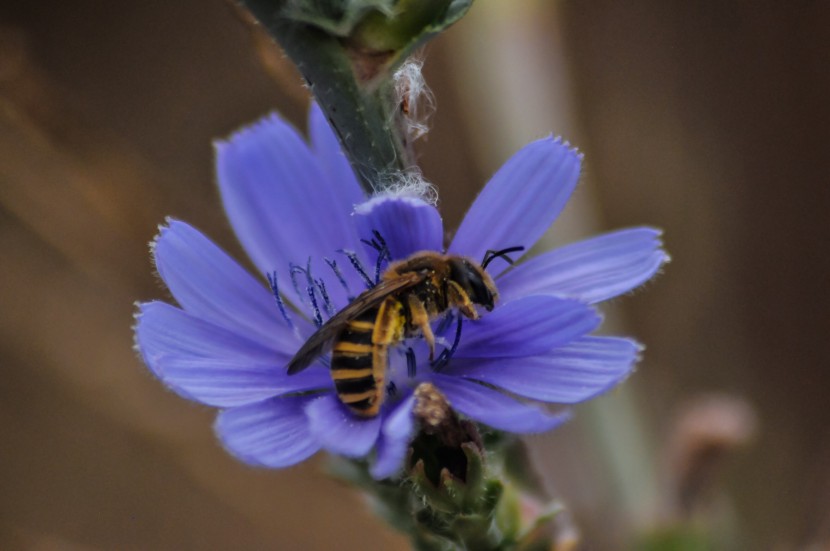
(376, 35)
(445, 442)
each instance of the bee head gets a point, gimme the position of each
(475, 281)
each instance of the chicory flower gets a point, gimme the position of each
(316, 239)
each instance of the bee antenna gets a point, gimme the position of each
(491, 255)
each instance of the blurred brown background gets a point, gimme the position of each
(708, 119)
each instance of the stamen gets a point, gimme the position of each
(380, 239)
(293, 269)
(379, 244)
(358, 266)
(321, 286)
(374, 244)
(411, 365)
(308, 279)
(383, 254)
(318, 317)
(336, 269)
(272, 282)
(311, 289)
(445, 355)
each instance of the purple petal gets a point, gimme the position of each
(338, 430)
(282, 206)
(521, 200)
(332, 160)
(273, 433)
(407, 224)
(495, 409)
(207, 283)
(567, 375)
(212, 365)
(591, 270)
(527, 326)
(397, 431)
(223, 383)
(164, 330)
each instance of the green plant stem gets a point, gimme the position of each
(364, 114)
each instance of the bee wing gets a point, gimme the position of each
(321, 340)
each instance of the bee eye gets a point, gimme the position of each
(479, 293)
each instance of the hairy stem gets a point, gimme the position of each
(359, 103)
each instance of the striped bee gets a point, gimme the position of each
(409, 295)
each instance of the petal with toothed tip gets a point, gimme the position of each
(205, 362)
(570, 374)
(520, 202)
(592, 270)
(526, 327)
(284, 209)
(207, 283)
(407, 224)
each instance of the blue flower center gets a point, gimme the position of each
(312, 291)
(409, 362)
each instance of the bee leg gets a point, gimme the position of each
(458, 298)
(420, 319)
(390, 324)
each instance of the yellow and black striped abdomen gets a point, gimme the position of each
(359, 357)
(352, 365)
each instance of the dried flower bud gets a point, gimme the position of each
(437, 418)
(703, 434)
(431, 407)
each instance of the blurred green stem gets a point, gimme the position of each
(362, 117)
(347, 51)
(528, 99)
